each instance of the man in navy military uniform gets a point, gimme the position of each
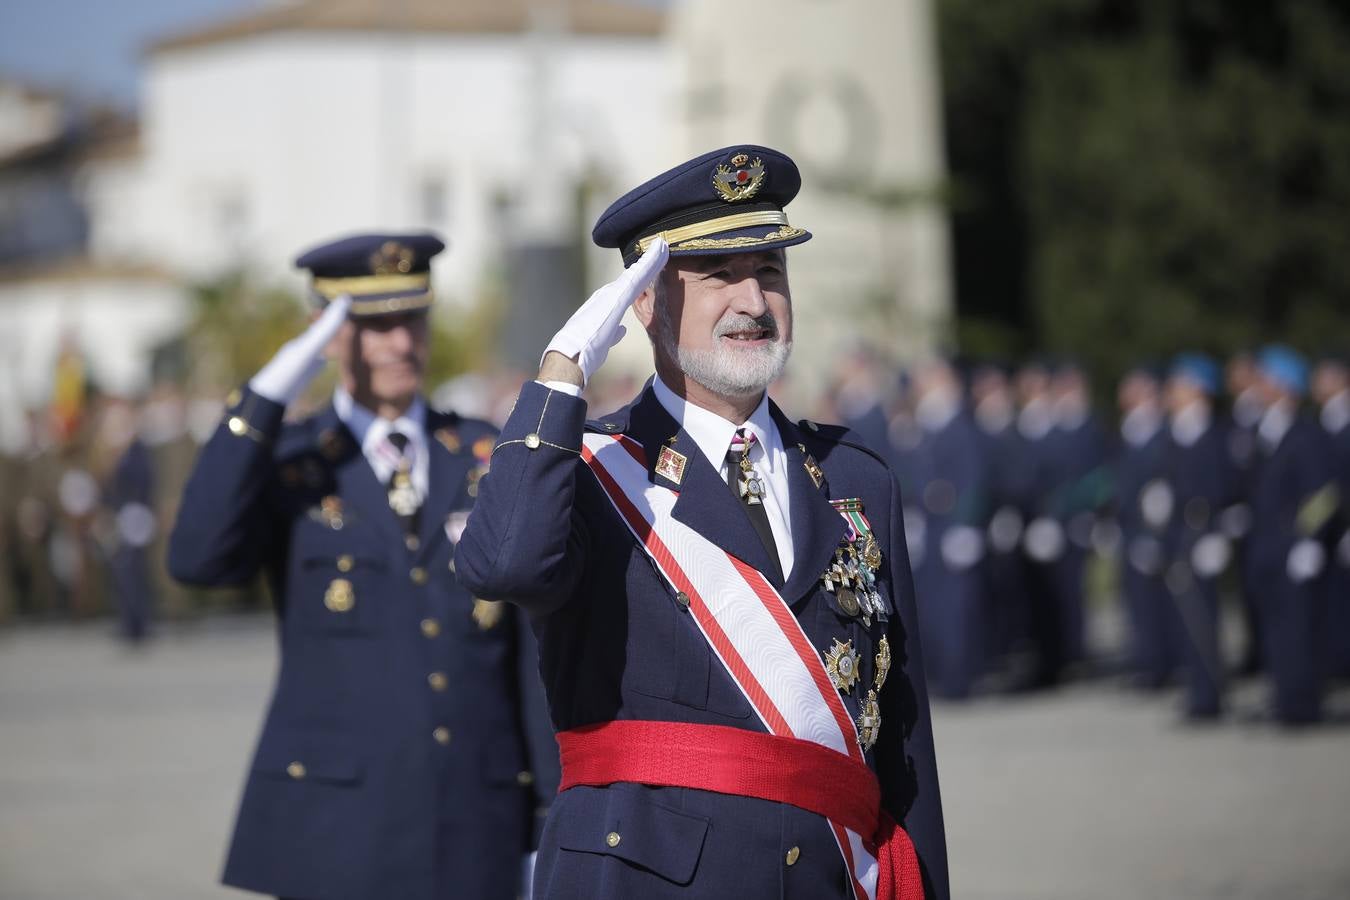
(722, 597)
(1294, 502)
(1144, 501)
(1331, 391)
(1199, 483)
(953, 493)
(394, 761)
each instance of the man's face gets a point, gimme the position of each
(1135, 390)
(725, 321)
(1328, 380)
(383, 358)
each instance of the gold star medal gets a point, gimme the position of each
(841, 664)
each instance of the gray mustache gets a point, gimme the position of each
(738, 322)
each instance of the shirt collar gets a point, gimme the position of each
(1336, 412)
(711, 432)
(1190, 424)
(369, 429)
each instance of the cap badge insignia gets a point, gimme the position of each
(392, 258)
(741, 182)
(670, 465)
(841, 664)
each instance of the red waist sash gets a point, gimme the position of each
(743, 763)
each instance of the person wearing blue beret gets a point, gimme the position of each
(405, 751)
(1295, 505)
(722, 595)
(1200, 481)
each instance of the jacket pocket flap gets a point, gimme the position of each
(640, 831)
(308, 758)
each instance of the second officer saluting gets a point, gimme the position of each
(722, 596)
(394, 761)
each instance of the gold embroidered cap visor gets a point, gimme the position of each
(739, 232)
(377, 295)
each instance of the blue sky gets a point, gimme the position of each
(93, 47)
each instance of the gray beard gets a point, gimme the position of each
(722, 370)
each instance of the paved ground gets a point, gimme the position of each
(119, 772)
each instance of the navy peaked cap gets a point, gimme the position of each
(727, 201)
(382, 273)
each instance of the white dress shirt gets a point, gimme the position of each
(370, 431)
(713, 435)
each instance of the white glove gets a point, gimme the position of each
(300, 358)
(594, 328)
(1306, 560)
(1210, 555)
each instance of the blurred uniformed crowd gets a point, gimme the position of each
(1213, 494)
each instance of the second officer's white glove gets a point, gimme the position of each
(595, 328)
(300, 358)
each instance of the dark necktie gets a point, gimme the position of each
(748, 487)
(402, 495)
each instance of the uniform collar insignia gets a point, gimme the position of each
(670, 464)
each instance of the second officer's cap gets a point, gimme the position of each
(383, 273)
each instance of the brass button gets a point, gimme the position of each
(442, 735)
(344, 563)
(238, 427)
(412, 542)
(532, 441)
(612, 839)
(525, 779)
(339, 597)
(682, 598)
(233, 398)
(430, 628)
(793, 854)
(438, 681)
(296, 770)
(418, 575)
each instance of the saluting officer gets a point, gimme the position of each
(393, 761)
(1294, 500)
(722, 596)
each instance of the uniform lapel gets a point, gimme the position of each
(817, 528)
(357, 485)
(705, 503)
(445, 477)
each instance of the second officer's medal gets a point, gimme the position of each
(402, 494)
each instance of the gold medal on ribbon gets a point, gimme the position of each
(869, 721)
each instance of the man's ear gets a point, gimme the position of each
(644, 307)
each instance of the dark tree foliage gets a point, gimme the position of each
(1135, 178)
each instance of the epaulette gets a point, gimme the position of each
(839, 434)
(614, 423)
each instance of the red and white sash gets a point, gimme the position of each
(744, 620)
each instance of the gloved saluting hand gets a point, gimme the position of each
(587, 337)
(301, 358)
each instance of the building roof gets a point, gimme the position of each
(585, 17)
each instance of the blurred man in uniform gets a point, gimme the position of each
(1081, 486)
(1243, 381)
(1143, 504)
(1197, 478)
(994, 412)
(394, 761)
(952, 494)
(128, 495)
(712, 582)
(1294, 500)
(1331, 393)
(1043, 540)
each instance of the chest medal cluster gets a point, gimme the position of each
(852, 576)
